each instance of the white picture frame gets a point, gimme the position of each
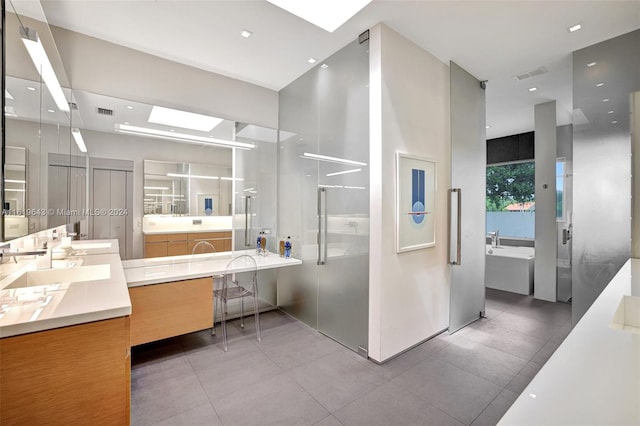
(415, 202)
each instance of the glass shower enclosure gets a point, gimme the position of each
(324, 196)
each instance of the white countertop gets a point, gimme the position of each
(593, 378)
(191, 230)
(38, 308)
(165, 269)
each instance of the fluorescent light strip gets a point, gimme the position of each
(181, 137)
(161, 188)
(326, 15)
(230, 178)
(7, 94)
(14, 190)
(78, 138)
(164, 195)
(192, 176)
(344, 172)
(318, 157)
(575, 28)
(15, 181)
(249, 189)
(183, 119)
(41, 61)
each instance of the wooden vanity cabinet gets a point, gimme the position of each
(72, 375)
(177, 244)
(170, 309)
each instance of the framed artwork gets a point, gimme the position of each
(415, 203)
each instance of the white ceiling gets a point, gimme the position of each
(493, 40)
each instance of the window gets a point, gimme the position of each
(510, 199)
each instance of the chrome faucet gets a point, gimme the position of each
(7, 253)
(495, 238)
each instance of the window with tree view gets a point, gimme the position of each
(510, 199)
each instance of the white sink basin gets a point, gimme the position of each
(627, 316)
(61, 275)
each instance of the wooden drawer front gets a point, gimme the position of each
(178, 237)
(219, 244)
(177, 248)
(155, 249)
(77, 375)
(205, 235)
(155, 238)
(165, 310)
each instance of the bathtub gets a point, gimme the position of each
(509, 269)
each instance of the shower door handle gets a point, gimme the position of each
(247, 206)
(455, 259)
(322, 226)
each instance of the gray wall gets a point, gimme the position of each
(602, 169)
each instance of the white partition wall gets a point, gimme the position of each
(545, 180)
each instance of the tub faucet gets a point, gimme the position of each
(495, 238)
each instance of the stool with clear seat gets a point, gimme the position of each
(239, 280)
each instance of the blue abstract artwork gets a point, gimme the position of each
(417, 196)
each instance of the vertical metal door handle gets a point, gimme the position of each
(458, 259)
(321, 233)
(246, 220)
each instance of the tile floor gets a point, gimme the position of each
(296, 376)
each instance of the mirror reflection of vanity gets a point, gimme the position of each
(164, 178)
(15, 181)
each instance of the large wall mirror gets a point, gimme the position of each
(151, 169)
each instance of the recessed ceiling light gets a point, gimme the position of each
(599, 84)
(326, 15)
(614, 122)
(50, 110)
(246, 33)
(126, 122)
(324, 66)
(606, 100)
(610, 112)
(533, 89)
(183, 119)
(7, 94)
(312, 60)
(575, 28)
(487, 126)
(129, 107)
(592, 64)
(33, 89)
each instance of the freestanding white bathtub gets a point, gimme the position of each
(509, 269)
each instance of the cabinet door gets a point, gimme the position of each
(170, 309)
(177, 248)
(155, 249)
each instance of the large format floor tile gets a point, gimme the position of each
(296, 376)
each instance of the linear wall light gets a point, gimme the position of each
(41, 61)
(344, 172)
(191, 176)
(180, 137)
(15, 181)
(164, 195)
(318, 157)
(160, 188)
(77, 136)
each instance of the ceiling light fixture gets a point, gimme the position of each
(246, 33)
(30, 88)
(312, 60)
(180, 137)
(183, 119)
(41, 61)
(324, 66)
(533, 89)
(164, 195)
(318, 157)
(129, 107)
(7, 95)
(344, 172)
(592, 64)
(50, 110)
(192, 176)
(599, 84)
(487, 126)
(614, 122)
(160, 188)
(606, 100)
(14, 190)
(15, 181)
(610, 112)
(230, 178)
(321, 13)
(77, 136)
(575, 28)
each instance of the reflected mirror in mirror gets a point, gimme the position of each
(15, 190)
